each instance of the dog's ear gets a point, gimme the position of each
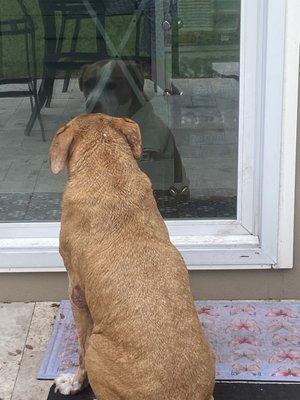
(80, 78)
(132, 133)
(60, 146)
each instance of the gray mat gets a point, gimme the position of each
(253, 340)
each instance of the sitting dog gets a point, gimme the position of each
(139, 333)
(117, 89)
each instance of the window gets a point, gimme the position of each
(212, 85)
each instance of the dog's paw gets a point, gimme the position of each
(67, 384)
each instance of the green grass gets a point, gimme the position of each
(12, 49)
(13, 57)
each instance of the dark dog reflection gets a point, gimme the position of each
(118, 90)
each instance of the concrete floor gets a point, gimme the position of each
(25, 330)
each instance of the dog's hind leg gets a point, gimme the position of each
(68, 383)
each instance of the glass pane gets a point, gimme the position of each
(171, 65)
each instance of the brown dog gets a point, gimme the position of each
(138, 329)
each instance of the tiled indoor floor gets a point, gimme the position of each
(206, 138)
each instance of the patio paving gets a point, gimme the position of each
(204, 121)
(25, 329)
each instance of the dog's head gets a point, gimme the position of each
(112, 87)
(79, 140)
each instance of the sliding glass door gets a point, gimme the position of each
(173, 66)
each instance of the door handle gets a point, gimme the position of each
(166, 25)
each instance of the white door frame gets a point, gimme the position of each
(262, 235)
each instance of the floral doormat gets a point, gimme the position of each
(253, 340)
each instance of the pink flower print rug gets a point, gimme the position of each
(252, 340)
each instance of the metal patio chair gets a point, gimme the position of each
(23, 26)
(75, 12)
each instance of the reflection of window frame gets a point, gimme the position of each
(262, 235)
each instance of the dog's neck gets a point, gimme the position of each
(118, 188)
(124, 110)
(129, 109)
(117, 173)
(135, 106)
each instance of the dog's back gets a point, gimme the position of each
(146, 341)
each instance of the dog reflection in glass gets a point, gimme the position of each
(117, 89)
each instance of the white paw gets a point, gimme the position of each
(67, 384)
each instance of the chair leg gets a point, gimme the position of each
(66, 81)
(35, 110)
(49, 80)
(61, 35)
(100, 40)
(49, 85)
(73, 49)
(30, 98)
(31, 121)
(41, 125)
(32, 84)
(35, 115)
(38, 107)
(38, 111)
(137, 40)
